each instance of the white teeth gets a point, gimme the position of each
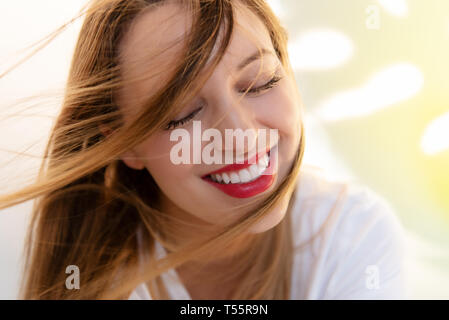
(235, 177)
(264, 161)
(226, 178)
(261, 170)
(253, 169)
(251, 173)
(244, 175)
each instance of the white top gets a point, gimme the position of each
(358, 255)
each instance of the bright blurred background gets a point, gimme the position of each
(372, 74)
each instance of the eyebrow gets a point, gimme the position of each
(255, 56)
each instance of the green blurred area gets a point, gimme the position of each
(384, 148)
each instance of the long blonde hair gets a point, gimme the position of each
(89, 204)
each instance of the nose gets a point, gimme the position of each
(238, 129)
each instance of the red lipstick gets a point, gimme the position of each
(251, 188)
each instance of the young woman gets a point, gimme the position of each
(111, 200)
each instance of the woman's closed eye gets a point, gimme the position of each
(176, 123)
(256, 90)
(270, 84)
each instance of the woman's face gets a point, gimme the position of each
(187, 189)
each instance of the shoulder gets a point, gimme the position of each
(349, 242)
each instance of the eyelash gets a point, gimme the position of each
(270, 84)
(176, 123)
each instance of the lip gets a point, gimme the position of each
(239, 166)
(252, 188)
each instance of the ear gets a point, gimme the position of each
(131, 159)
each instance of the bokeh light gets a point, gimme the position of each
(398, 8)
(436, 137)
(320, 49)
(384, 89)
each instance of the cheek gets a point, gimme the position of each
(156, 154)
(280, 109)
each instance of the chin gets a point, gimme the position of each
(272, 219)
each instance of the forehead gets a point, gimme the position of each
(154, 43)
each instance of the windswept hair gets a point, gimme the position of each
(88, 205)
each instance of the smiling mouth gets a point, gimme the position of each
(250, 173)
(246, 180)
